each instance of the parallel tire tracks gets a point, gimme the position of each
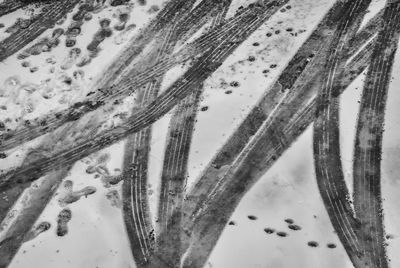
(328, 164)
(134, 193)
(9, 6)
(308, 60)
(366, 33)
(136, 155)
(51, 13)
(135, 205)
(368, 143)
(164, 103)
(207, 223)
(136, 77)
(112, 74)
(274, 131)
(212, 180)
(173, 178)
(298, 66)
(120, 66)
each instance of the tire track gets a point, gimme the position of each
(368, 142)
(165, 18)
(134, 47)
(51, 13)
(135, 203)
(9, 6)
(136, 212)
(304, 66)
(204, 12)
(206, 224)
(368, 31)
(108, 95)
(181, 126)
(10, 196)
(201, 193)
(135, 199)
(173, 178)
(328, 164)
(200, 70)
(38, 197)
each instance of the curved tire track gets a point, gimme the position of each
(138, 77)
(269, 100)
(290, 80)
(164, 103)
(136, 154)
(136, 212)
(279, 137)
(328, 164)
(173, 178)
(368, 143)
(207, 223)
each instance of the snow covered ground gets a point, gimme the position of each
(288, 191)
